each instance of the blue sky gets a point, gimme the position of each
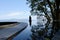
(14, 9)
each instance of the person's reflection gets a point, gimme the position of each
(30, 20)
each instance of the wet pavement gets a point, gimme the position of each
(8, 33)
(39, 31)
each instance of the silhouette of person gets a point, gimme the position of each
(30, 21)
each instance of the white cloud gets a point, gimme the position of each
(15, 15)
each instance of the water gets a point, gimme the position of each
(36, 31)
(25, 34)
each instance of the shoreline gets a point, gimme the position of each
(6, 23)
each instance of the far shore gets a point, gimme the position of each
(7, 24)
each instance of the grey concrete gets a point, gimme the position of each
(56, 36)
(9, 32)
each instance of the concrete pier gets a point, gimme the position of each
(10, 32)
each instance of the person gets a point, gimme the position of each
(30, 20)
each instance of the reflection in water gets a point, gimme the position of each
(43, 32)
(38, 32)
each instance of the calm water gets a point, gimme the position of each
(37, 31)
(26, 33)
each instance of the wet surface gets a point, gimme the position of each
(10, 32)
(38, 31)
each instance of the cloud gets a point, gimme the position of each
(15, 15)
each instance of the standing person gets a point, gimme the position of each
(30, 21)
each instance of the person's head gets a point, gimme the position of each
(30, 16)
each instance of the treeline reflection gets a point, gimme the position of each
(43, 32)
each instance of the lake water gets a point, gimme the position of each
(36, 31)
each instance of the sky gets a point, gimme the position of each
(14, 9)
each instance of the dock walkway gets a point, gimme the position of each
(9, 33)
